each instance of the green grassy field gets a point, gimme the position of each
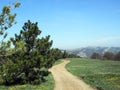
(105, 75)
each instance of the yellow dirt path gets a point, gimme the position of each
(64, 80)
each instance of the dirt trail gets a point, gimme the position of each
(65, 80)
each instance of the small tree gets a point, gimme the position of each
(108, 56)
(96, 56)
(65, 54)
(117, 57)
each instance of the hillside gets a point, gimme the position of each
(88, 51)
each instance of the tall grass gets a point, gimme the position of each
(105, 75)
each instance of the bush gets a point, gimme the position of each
(11, 73)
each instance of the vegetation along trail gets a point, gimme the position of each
(65, 80)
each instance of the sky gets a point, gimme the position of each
(71, 23)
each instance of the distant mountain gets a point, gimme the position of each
(88, 51)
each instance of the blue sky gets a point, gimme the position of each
(72, 23)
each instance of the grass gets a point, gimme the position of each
(58, 62)
(105, 75)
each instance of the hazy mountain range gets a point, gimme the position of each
(88, 51)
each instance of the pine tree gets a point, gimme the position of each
(31, 59)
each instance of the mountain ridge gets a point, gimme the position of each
(88, 51)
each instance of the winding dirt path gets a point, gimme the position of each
(65, 80)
